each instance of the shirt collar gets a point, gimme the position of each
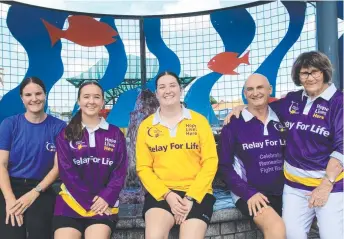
(102, 125)
(326, 95)
(247, 115)
(186, 114)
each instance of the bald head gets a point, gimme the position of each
(257, 90)
(257, 79)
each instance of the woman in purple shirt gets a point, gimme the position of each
(92, 162)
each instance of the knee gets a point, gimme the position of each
(277, 230)
(155, 233)
(295, 231)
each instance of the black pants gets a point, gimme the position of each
(275, 203)
(37, 218)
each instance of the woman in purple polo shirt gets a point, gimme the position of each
(92, 163)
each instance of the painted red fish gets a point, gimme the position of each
(84, 31)
(226, 62)
(272, 99)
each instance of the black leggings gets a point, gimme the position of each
(37, 218)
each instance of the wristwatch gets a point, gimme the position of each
(189, 198)
(332, 181)
(38, 188)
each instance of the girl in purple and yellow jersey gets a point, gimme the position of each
(176, 162)
(92, 163)
(27, 167)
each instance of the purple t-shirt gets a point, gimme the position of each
(315, 134)
(251, 158)
(93, 166)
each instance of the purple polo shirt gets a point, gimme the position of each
(252, 155)
(315, 135)
(94, 166)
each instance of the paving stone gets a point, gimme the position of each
(228, 228)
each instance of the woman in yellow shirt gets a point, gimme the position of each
(176, 163)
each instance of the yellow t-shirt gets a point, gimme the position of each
(184, 158)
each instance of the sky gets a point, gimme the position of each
(136, 7)
(175, 32)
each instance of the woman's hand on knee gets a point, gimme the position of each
(181, 218)
(99, 205)
(176, 204)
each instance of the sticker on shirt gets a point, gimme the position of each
(78, 145)
(279, 127)
(191, 129)
(320, 112)
(109, 144)
(154, 132)
(294, 108)
(50, 147)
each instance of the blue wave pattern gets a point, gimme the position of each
(236, 28)
(271, 64)
(45, 60)
(118, 63)
(168, 61)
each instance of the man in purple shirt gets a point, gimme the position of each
(252, 157)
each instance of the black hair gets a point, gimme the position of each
(73, 131)
(314, 59)
(29, 80)
(168, 73)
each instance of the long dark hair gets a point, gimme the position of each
(73, 131)
(29, 80)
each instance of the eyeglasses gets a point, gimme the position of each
(315, 73)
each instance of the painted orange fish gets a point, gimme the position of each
(83, 30)
(226, 62)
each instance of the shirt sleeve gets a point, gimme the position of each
(337, 131)
(70, 175)
(144, 167)
(60, 127)
(209, 162)
(226, 169)
(6, 131)
(111, 192)
(277, 106)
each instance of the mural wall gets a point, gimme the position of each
(213, 54)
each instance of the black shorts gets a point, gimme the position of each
(80, 224)
(275, 203)
(202, 211)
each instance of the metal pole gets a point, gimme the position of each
(143, 55)
(327, 34)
